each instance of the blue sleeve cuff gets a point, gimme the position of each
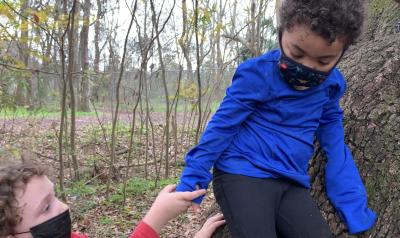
(192, 179)
(360, 221)
(181, 187)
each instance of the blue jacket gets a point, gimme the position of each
(264, 128)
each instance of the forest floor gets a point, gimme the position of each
(93, 211)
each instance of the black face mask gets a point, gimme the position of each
(57, 227)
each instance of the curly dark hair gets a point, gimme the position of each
(330, 19)
(12, 179)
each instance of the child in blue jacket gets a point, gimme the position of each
(261, 138)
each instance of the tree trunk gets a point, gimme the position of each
(23, 99)
(164, 81)
(372, 112)
(372, 118)
(97, 51)
(84, 89)
(71, 64)
(196, 29)
(383, 16)
(184, 41)
(371, 105)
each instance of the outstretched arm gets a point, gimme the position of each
(344, 186)
(249, 88)
(167, 206)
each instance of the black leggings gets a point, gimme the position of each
(267, 208)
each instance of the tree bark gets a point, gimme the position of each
(184, 40)
(84, 89)
(71, 64)
(383, 15)
(24, 90)
(97, 50)
(155, 23)
(372, 111)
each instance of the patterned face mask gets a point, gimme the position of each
(298, 75)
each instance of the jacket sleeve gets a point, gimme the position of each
(344, 186)
(247, 89)
(143, 230)
(78, 235)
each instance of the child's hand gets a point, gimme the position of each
(168, 205)
(210, 226)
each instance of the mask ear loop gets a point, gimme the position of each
(280, 39)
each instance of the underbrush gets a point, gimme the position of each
(94, 211)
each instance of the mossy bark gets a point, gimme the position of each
(383, 17)
(372, 119)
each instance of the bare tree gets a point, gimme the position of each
(21, 97)
(117, 97)
(97, 49)
(63, 98)
(196, 30)
(71, 63)
(184, 40)
(163, 78)
(84, 40)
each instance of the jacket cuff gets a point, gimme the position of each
(358, 221)
(144, 230)
(182, 187)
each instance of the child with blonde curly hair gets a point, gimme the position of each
(30, 209)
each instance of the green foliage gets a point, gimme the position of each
(188, 91)
(136, 186)
(117, 198)
(24, 112)
(80, 189)
(105, 220)
(165, 182)
(87, 205)
(92, 159)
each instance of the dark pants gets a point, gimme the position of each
(267, 208)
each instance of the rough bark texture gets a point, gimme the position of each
(84, 53)
(383, 16)
(372, 119)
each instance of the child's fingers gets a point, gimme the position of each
(216, 224)
(195, 207)
(169, 188)
(216, 217)
(192, 195)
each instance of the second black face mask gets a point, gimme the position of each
(57, 227)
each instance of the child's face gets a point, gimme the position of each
(304, 46)
(38, 204)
